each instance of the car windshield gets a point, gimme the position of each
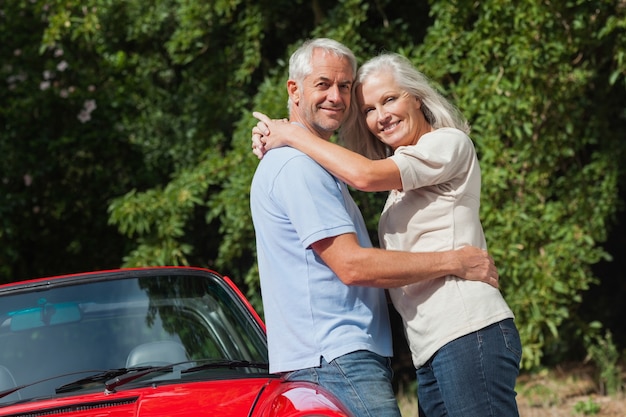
(77, 327)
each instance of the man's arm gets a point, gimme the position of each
(372, 267)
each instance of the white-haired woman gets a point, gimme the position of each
(409, 140)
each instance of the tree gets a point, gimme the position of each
(62, 155)
(543, 86)
(167, 146)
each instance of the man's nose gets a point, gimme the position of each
(334, 94)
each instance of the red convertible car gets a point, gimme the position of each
(168, 341)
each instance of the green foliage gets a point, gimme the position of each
(126, 131)
(525, 80)
(62, 157)
(588, 408)
(603, 352)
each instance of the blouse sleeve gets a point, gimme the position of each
(438, 157)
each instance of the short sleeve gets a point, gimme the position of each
(438, 157)
(312, 200)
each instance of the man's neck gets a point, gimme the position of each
(302, 123)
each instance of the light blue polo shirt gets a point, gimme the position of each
(309, 312)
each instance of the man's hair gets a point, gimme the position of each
(438, 111)
(300, 61)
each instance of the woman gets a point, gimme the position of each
(414, 143)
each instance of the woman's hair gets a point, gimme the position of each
(300, 60)
(438, 111)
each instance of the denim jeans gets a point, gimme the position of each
(360, 380)
(473, 376)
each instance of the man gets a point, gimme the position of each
(321, 281)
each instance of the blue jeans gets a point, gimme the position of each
(473, 376)
(360, 380)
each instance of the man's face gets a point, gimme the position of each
(322, 100)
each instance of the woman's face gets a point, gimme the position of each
(391, 114)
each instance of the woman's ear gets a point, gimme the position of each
(418, 103)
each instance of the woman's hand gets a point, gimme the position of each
(269, 133)
(258, 146)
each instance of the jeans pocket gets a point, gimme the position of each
(390, 368)
(511, 337)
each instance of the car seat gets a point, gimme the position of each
(162, 352)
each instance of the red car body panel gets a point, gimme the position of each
(269, 397)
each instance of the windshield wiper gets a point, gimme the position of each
(120, 376)
(116, 382)
(112, 384)
(19, 387)
(98, 377)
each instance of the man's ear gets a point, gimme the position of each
(294, 91)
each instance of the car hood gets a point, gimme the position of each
(223, 398)
(256, 397)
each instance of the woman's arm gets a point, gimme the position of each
(354, 169)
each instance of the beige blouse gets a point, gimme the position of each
(437, 210)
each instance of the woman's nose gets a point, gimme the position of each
(382, 114)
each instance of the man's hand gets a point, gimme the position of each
(478, 265)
